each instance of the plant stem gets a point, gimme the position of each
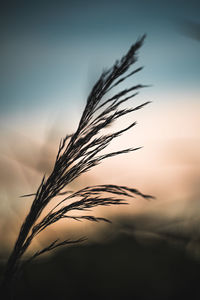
(12, 266)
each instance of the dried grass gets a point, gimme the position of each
(77, 154)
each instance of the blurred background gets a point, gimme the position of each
(52, 53)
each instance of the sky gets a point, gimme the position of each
(51, 54)
(53, 51)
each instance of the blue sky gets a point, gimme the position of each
(53, 51)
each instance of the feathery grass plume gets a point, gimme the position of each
(77, 154)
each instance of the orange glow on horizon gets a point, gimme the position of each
(167, 167)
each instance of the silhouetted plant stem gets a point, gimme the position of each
(12, 266)
(77, 154)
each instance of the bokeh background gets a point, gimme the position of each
(51, 54)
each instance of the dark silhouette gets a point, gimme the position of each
(77, 154)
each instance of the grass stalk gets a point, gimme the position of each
(77, 154)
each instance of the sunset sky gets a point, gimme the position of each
(51, 55)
